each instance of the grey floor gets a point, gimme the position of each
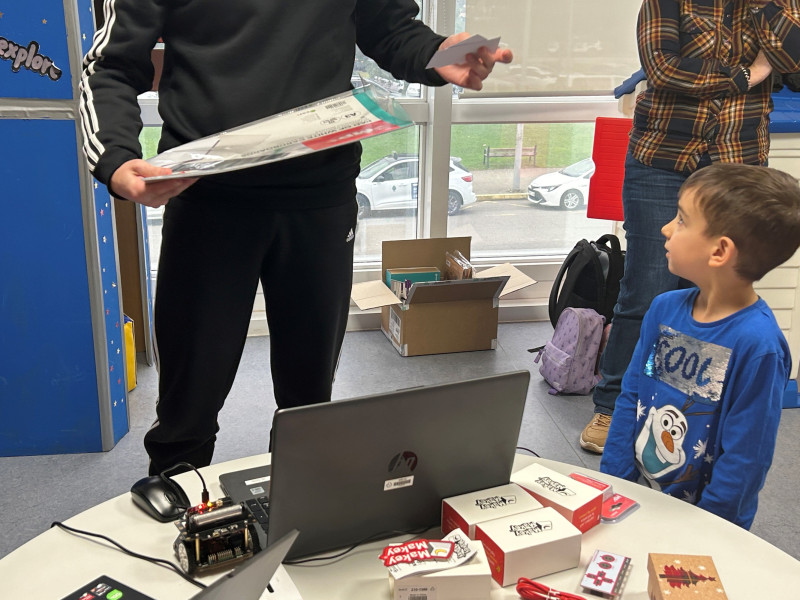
(37, 490)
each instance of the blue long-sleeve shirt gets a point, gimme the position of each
(700, 406)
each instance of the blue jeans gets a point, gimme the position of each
(650, 200)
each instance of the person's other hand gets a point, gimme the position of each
(477, 67)
(760, 69)
(127, 183)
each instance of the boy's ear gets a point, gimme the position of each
(724, 253)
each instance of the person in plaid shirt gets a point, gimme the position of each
(708, 65)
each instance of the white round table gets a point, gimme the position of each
(56, 563)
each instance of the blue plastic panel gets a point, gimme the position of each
(791, 398)
(785, 117)
(112, 311)
(48, 381)
(86, 23)
(34, 57)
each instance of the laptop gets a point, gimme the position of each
(250, 580)
(367, 468)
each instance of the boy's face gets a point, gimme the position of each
(688, 246)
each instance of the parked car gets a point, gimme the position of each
(567, 188)
(392, 182)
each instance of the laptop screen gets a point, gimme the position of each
(348, 471)
(249, 581)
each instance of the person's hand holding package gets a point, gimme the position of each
(127, 183)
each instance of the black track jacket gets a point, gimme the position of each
(229, 62)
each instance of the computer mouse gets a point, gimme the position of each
(161, 498)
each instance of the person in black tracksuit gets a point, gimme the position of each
(288, 224)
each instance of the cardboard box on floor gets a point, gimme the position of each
(443, 316)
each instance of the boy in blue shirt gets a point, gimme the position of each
(701, 400)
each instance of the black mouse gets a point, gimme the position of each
(162, 499)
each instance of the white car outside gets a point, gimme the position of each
(392, 183)
(567, 188)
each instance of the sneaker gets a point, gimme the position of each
(593, 437)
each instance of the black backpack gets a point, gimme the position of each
(589, 278)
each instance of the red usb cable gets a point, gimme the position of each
(533, 590)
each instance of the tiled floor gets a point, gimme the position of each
(40, 489)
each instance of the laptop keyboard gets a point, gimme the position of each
(259, 508)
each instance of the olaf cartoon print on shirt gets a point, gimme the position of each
(659, 446)
(694, 372)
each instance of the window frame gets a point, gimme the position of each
(434, 112)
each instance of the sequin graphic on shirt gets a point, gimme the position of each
(691, 366)
(667, 444)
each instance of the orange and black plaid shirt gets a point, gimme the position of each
(697, 101)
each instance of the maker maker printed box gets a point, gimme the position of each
(581, 504)
(530, 544)
(683, 576)
(465, 511)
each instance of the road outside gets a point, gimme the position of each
(501, 223)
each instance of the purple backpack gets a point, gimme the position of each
(569, 360)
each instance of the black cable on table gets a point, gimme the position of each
(157, 561)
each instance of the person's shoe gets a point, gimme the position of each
(593, 437)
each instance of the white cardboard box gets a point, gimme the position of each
(530, 544)
(581, 504)
(465, 511)
(470, 581)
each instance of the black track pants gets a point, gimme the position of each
(213, 254)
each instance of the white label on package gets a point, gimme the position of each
(463, 550)
(402, 482)
(416, 592)
(394, 326)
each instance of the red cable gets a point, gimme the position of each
(533, 590)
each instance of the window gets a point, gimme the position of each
(571, 47)
(530, 204)
(155, 216)
(508, 166)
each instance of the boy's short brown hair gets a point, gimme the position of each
(757, 207)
